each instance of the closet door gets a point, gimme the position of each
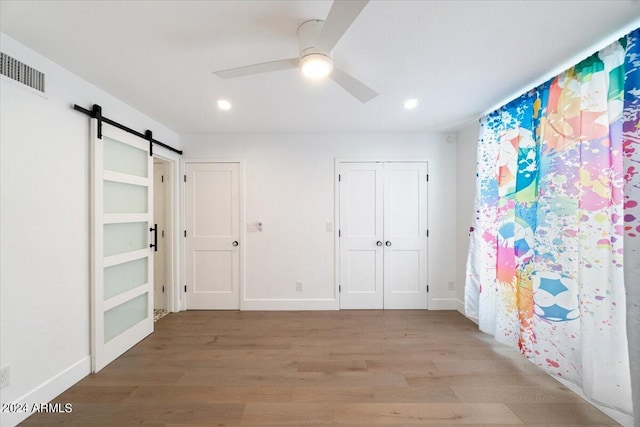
(361, 228)
(122, 231)
(405, 235)
(383, 235)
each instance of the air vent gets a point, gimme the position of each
(21, 72)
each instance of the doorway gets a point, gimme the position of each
(383, 235)
(162, 180)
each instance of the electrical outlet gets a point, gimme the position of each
(451, 285)
(4, 376)
(329, 227)
(298, 286)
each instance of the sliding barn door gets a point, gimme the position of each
(213, 236)
(122, 231)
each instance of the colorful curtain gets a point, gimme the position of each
(557, 198)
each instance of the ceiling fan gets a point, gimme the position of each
(317, 39)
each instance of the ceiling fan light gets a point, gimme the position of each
(316, 65)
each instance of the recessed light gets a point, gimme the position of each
(410, 104)
(224, 105)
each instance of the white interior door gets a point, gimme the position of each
(160, 186)
(361, 235)
(383, 235)
(121, 229)
(213, 235)
(405, 235)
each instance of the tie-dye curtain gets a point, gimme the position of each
(556, 215)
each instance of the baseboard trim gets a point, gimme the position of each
(460, 307)
(289, 305)
(314, 305)
(443, 304)
(48, 390)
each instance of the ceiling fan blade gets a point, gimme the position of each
(354, 86)
(265, 67)
(341, 16)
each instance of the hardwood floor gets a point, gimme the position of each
(344, 368)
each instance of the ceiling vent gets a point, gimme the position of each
(21, 72)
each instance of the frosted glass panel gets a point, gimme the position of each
(123, 158)
(123, 277)
(125, 237)
(124, 198)
(124, 316)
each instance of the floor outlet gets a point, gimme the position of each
(4, 376)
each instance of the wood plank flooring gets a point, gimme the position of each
(340, 368)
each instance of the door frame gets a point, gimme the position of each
(173, 221)
(336, 215)
(183, 217)
(169, 231)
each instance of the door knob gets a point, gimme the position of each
(387, 243)
(235, 243)
(378, 243)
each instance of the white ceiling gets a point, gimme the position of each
(459, 58)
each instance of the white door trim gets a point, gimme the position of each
(336, 216)
(173, 225)
(164, 241)
(182, 227)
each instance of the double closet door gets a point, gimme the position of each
(383, 235)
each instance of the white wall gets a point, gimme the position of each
(44, 278)
(467, 143)
(290, 188)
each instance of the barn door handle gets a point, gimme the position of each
(154, 245)
(387, 243)
(378, 243)
(235, 243)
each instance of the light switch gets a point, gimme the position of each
(329, 227)
(253, 227)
